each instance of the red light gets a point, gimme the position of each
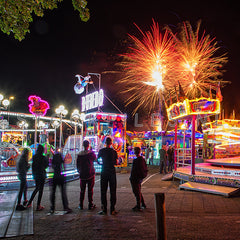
(118, 118)
(99, 117)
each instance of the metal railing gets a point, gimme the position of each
(184, 157)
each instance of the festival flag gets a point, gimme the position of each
(218, 93)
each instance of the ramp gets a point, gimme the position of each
(207, 188)
(167, 177)
(14, 223)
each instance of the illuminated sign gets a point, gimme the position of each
(202, 106)
(193, 107)
(92, 100)
(38, 106)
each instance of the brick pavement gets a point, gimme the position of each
(189, 215)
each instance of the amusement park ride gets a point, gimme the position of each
(220, 175)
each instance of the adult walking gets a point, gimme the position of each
(108, 176)
(22, 168)
(138, 173)
(163, 160)
(85, 167)
(58, 180)
(39, 165)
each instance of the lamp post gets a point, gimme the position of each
(24, 125)
(61, 112)
(55, 125)
(82, 117)
(76, 118)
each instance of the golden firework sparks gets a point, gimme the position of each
(198, 66)
(147, 67)
(157, 62)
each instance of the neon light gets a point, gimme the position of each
(92, 100)
(200, 106)
(38, 106)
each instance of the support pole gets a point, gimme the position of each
(35, 135)
(193, 145)
(160, 216)
(175, 147)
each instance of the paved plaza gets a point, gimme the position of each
(189, 215)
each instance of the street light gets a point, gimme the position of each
(61, 112)
(24, 125)
(4, 102)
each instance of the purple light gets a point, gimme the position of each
(38, 106)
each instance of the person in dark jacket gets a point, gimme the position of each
(85, 167)
(39, 165)
(108, 175)
(58, 180)
(170, 155)
(22, 168)
(163, 160)
(136, 177)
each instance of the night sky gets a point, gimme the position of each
(60, 46)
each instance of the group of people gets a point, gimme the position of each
(166, 159)
(107, 157)
(39, 165)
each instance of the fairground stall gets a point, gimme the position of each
(99, 126)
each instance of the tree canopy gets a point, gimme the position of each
(16, 15)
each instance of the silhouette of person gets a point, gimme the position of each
(108, 176)
(85, 167)
(39, 165)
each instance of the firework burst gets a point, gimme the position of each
(147, 67)
(198, 67)
(158, 62)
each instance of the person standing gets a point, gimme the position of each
(22, 168)
(58, 180)
(147, 154)
(138, 173)
(163, 160)
(85, 167)
(170, 155)
(39, 165)
(108, 176)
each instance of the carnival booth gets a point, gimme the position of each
(99, 126)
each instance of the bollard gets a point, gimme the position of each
(160, 216)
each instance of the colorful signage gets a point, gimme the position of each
(92, 100)
(38, 106)
(200, 106)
